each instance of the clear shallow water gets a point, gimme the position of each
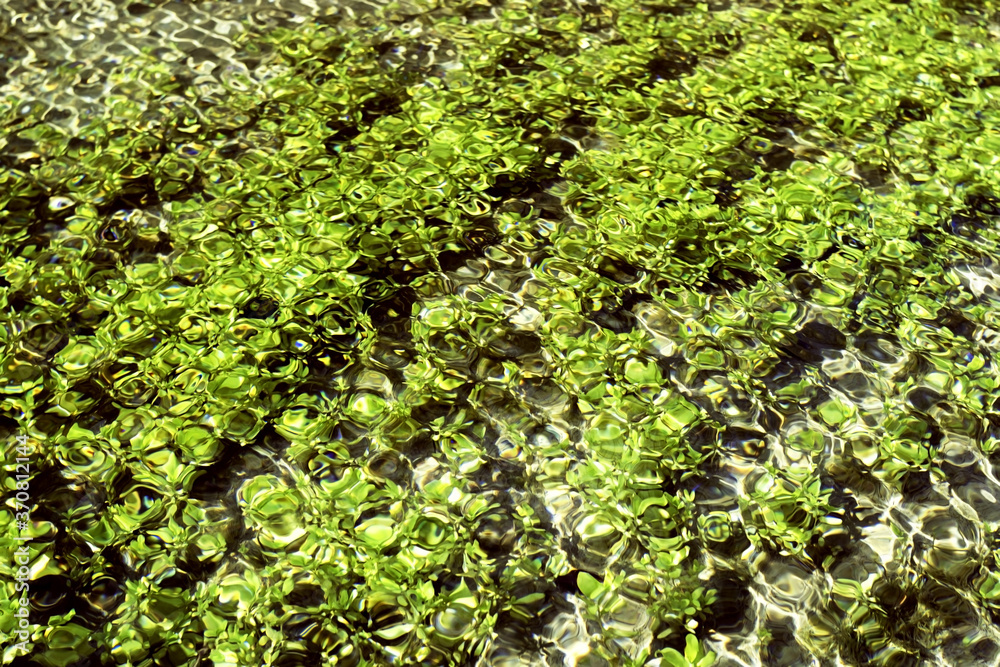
(826, 428)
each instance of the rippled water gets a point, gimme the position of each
(809, 436)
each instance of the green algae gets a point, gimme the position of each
(282, 417)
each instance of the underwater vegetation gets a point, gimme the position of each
(501, 333)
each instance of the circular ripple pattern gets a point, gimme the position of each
(503, 333)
